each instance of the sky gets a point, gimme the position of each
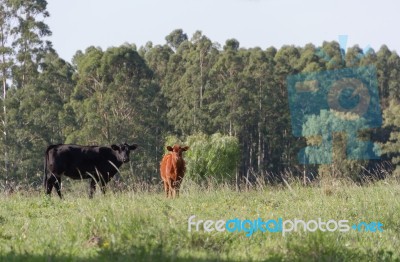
(78, 24)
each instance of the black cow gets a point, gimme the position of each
(97, 163)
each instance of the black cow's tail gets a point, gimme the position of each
(46, 159)
(45, 170)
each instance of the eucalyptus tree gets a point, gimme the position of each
(187, 82)
(283, 150)
(176, 38)
(30, 44)
(332, 55)
(224, 92)
(117, 99)
(6, 62)
(22, 47)
(391, 147)
(394, 83)
(35, 116)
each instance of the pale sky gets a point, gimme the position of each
(78, 24)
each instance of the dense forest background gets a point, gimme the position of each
(188, 86)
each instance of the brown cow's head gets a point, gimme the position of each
(177, 150)
(122, 151)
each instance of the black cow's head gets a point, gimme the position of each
(122, 151)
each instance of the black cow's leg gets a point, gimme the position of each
(103, 182)
(50, 184)
(92, 188)
(53, 181)
(103, 186)
(57, 185)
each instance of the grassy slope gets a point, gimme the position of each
(144, 226)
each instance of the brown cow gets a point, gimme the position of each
(172, 170)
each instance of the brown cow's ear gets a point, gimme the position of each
(185, 148)
(170, 148)
(133, 147)
(115, 147)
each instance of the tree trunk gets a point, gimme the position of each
(5, 127)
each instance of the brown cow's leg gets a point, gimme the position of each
(177, 189)
(170, 188)
(177, 186)
(166, 188)
(173, 193)
(173, 189)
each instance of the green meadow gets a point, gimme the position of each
(145, 226)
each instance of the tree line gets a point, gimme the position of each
(186, 87)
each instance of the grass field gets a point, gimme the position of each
(144, 226)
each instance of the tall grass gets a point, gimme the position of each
(142, 225)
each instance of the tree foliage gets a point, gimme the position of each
(392, 146)
(335, 145)
(235, 97)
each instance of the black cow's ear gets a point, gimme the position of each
(170, 148)
(115, 147)
(133, 147)
(185, 148)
